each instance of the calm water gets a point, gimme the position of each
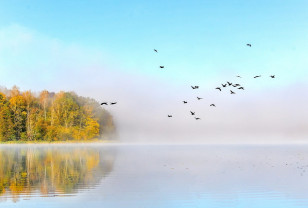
(133, 176)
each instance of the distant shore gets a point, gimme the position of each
(60, 142)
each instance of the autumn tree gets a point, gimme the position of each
(51, 116)
(44, 95)
(18, 107)
(6, 125)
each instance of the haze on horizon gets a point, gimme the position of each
(104, 50)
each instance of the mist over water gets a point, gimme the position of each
(253, 116)
(265, 112)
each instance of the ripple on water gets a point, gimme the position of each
(154, 176)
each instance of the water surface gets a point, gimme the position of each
(153, 176)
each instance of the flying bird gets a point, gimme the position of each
(224, 85)
(199, 98)
(238, 76)
(195, 87)
(192, 113)
(218, 88)
(105, 103)
(113, 103)
(169, 116)
(197, 118)
(184, 102)
(229, 83)
(257, 76)
(213, 105)
(155, 50)
(272, 76)
(241, 88)
(232, 92)
(248, 44)
(161, 67)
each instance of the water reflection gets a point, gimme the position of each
(51, 171)
(172, 176)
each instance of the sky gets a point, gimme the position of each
(104, 49)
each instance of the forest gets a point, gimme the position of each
(49, 116)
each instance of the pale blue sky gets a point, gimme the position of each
(197, 40)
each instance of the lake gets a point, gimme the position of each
(154, 176)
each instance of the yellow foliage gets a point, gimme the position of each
(51, 117)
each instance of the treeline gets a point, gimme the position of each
(49, 116)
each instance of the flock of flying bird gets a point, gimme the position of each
(235, 86)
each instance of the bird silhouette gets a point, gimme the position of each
(238, 76)
(257, 76)
(218, 88)
(155, 50)
(192, 113)
(249, 45)
(161, 67)
(184, 102)
(224, 85)
(241, 88)
(232, 92)
(272, 76)
(105, 103)
(199, 98)
(213, 105)
(169, 116)
(113, 103)
(197, 118)
(229, 83)
(195, 87)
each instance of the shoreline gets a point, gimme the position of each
(118, 142)
(94, 141)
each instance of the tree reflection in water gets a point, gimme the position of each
(52, 171)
